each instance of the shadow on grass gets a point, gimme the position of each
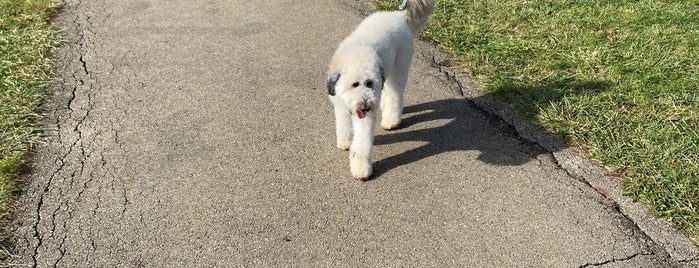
(529, 99)
(469, 127)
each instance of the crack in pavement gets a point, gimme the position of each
(614, 260)
(46, 189)
(82, 24)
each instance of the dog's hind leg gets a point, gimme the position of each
(393, 91)
(360, 150)
(343, 127)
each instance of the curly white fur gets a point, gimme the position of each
(370, 67)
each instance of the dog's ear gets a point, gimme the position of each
(332, 80)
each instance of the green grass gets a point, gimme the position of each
(26, 42)
(618, 78)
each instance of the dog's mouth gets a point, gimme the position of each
(361, 113)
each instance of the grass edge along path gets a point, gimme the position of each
(618, 79)
(27, 40)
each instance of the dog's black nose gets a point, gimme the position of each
(365, 108)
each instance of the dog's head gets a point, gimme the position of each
(358, 88)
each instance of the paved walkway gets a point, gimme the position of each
(198, 134)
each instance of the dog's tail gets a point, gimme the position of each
(416, 13)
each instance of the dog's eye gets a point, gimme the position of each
(369, 83)
(355, 84)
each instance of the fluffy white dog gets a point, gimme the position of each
(370, 70)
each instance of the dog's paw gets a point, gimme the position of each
(360, 168)
(344, 144)
(390, 125)
(362, 175)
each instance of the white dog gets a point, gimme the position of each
(370, 70)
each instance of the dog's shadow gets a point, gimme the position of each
(467, 129)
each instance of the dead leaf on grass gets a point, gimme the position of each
(625, 56)
(674, 118)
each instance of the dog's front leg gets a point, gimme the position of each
(360, 150)
(343, 127)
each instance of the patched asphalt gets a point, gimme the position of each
(199, 134)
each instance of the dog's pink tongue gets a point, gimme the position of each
(361, 114)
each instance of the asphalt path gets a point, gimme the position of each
(199, 134)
